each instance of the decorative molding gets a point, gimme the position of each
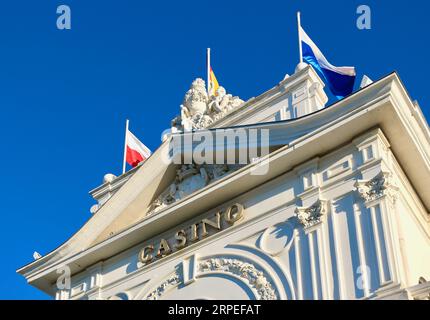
(171, 282)
(189, 269)
(244, 270)
(381, 185)
(95, 275)
(78, 290)
(248, 272)
(421, 291)
(311, 216)
(337, 169)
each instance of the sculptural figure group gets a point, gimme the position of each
(199, 110)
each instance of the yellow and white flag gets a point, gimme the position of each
(213, 83)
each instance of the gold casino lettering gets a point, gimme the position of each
(191, 234)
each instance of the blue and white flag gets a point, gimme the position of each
(339, 79)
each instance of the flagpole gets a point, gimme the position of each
(125, 147)
(300, 37)
(208, 69)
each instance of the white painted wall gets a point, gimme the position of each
(325, 261)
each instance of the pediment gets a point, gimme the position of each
(174, 184)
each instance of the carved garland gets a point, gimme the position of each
(171, 282)
(246, 271)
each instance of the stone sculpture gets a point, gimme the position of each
(198, 110)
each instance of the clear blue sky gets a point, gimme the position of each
(65, 95)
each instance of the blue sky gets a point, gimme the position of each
(65, 95)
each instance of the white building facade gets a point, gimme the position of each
(336, 206)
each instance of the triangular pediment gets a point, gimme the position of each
(174, 183)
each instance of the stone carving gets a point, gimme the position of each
(222, 103)
(198, 110)
(190, 178)
(377, 187)
(246, 271)
(171, 282)
(312, 215)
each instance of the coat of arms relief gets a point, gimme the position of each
(190, 178)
